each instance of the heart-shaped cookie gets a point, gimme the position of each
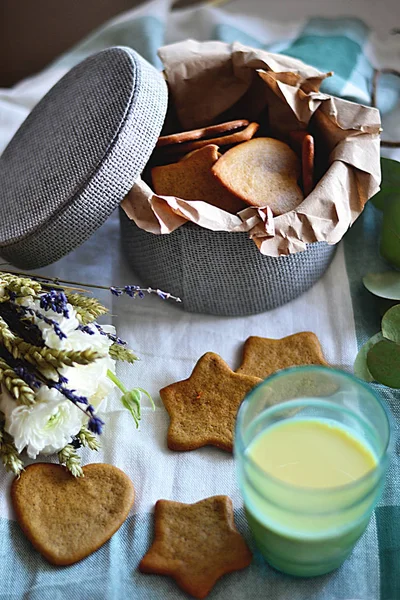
(66, 519)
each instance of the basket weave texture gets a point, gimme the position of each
(220, 273)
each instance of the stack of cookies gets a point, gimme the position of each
(229, 166)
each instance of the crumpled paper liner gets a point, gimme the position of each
(213, 82)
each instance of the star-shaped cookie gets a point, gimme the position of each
(264, 356)
(203, 407)
(196, 544)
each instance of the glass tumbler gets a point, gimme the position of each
(307, 531)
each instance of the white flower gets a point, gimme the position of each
(91, 380)
(87, 380)
(49, 424)
(45, 427)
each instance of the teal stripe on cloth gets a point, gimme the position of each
(388, 527)
(335, 45)
(337, 53)
(229, 34)
(361, 79)
(388, 92)
(111, 573)
(350, 27)
(329, 45)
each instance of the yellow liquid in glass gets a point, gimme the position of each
(311, 453)
(307, 517)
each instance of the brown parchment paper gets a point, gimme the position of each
(211, 82)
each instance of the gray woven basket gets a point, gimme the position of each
(77, 155)
(220, 273)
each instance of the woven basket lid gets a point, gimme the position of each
(77, 155)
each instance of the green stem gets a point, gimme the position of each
(45, 280)
(116, 381)
(55, 280)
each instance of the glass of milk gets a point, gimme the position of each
(312, 448)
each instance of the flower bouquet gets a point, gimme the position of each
(57, 365)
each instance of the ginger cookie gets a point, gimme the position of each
(228, 139)
(307, 162)
(201, 133)
(262, 172)
(192, 179)
(189, 154)
(264, 356)
(303, 142)
(203, 407)
(66, 519)
(196, 544)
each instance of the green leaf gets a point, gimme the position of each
(383, 361)
(390, 182)
(390, 239)
(384, 285)
(360, 364)
(391, 324)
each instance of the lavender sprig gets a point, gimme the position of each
(70, 394)
(95, 424)
(116, 291)
(36, 380)
(86, 329)
(111, 336)
(34, 312)
(130, 290)
(135, 291)
(55, 300)
(24, 328)
(27, 376)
